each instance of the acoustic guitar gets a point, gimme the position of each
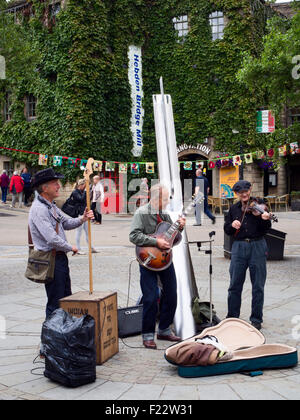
(156, 259)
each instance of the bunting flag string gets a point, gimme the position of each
(135, 167)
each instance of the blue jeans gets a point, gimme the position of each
(60, 287)
(168, 300)
(252, 255)
(206, 211)
(4, 193)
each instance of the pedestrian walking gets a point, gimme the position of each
(44, 217)
(97, 199)
(202, 185)
(4, 183)
(79, 200)
(25, 175)
(249, 250)
(16, 187)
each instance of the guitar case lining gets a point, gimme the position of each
(250, 353)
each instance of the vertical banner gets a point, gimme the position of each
(228, 177)
(136, 84)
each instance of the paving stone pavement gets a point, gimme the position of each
(136, 373)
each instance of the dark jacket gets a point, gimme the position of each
(27, 179)
(79, 199)
(4, 180)
(253, 227)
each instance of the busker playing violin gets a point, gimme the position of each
(144, 224)
(249, 250)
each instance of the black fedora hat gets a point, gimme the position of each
(44, 176)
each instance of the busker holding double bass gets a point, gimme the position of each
(248, 221)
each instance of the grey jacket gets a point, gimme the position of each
(144, 223)
(42, 223)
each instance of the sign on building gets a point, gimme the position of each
(265, 122)
(136, 84)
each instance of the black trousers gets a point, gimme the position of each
(60, 287)
(97, 215)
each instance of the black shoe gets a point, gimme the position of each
(256, 325)
(213, 220)
(197, 224)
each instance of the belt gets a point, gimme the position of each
(60, 253)
(250, 239)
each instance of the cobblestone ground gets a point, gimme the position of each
(136, 373)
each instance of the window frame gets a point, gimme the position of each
(181, 25)
(7, 114)
(29, 106)
(215, 17)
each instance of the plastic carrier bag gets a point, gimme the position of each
(69, 349)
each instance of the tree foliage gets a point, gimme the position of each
(276, 72)
(80, 76)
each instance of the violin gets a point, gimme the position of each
(257, 209)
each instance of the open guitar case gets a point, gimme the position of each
(249, 348)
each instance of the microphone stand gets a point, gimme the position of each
(209, 252)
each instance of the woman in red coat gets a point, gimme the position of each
(16, 187)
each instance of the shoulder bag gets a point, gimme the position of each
(41, 264)
(70, 207)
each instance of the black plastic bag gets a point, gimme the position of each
(69, 349)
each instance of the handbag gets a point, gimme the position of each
(40, 264)
(70, 207)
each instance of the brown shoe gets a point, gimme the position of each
(171, 337)
(149, 344)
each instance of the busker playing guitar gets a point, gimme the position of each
(249, 250)
(144, 223)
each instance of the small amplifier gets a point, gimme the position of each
(130, 321)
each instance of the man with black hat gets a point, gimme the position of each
(47, 226)
(249, 250)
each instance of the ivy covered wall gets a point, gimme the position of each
(80, 77)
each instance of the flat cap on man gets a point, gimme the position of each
(241, 186)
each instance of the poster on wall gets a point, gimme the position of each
(136, 85)
(228, 177)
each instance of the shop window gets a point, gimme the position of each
(216, 20)
(181, 25)
(31, 107)
(7, 105)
